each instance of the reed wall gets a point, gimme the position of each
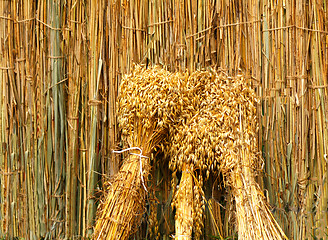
(60, 66)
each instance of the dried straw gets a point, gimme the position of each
(123, 206)
(184, 204)
(281, 45)
(217, 133)
(147, 104)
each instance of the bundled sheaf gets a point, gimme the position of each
(206, 124)
(207, 136)
(148, 103)
(216, 133)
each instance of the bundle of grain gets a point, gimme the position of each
(148, 103)
(186, 153)
(216, 133)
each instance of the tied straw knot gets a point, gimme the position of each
(140, 157)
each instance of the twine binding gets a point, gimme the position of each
(140, 156)
(181, 235)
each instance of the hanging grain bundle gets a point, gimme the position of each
(254, 218)
(216, 133)
(147, 104)
(185, 150)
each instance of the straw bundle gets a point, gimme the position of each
(185, 148)
(184, 203)
(217, 133)
(147, 104)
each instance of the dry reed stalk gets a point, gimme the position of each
(112, 35)
(96, 37)
(4, 117)
(76, 74)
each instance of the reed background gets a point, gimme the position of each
(60, 66)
